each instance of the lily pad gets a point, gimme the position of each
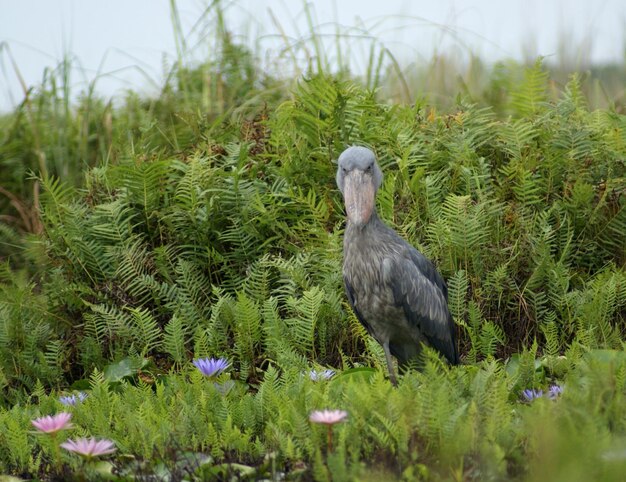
(125, 368)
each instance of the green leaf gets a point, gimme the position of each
(125, 368)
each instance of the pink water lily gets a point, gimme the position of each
(53, 424)
(90, 447)
(328, 417)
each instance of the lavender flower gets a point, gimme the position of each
(321, 375)
(554, 392)
(532, 394)
(74, 399)
(89, 448)
(211, 367)
(51, 425)
(328, 417)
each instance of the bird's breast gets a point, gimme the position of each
(363, 269)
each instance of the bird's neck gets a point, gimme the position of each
(363, 229)
(363, 242)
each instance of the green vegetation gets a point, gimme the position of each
(206, 223)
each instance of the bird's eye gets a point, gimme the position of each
(369, 169)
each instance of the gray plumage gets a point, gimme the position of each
(395, 292)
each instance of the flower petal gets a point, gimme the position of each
(52, 424)
(90, 447)
(328, 417)
(211, 367)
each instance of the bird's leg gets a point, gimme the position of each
(392, 372)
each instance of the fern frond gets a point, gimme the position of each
(529, 96)
(457, 292)
(146, 332)
(247, 331)
(175, 335)
(303, 322)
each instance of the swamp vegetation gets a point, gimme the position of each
(205, 222)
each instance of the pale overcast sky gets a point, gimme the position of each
(119, 37)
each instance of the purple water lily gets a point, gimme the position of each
(532, 394)
(317, 375)
(211, 367)
(555, 392)
(74, 399)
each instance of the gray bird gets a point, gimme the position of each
(395, 292)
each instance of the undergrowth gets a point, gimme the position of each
(463, 424)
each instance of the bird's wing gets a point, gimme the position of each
(352, 300)
(419, 289)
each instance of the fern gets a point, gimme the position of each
(55, 357)
(134, 270)
(18, 450)
(525, 186)
(612, 236)
(192, 294)
(247, 331)
(277, 339)
(573, 96)
(303, 323)
(491, 337)
(106, 323)
(462, 230)
(144, 184)
(457, 292)
(518, 138)
(56, 200)
(146, 332)
(529, 97)
(551, 334)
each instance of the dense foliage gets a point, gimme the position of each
(197, 235)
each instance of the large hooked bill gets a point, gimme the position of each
(359, 195)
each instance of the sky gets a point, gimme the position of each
(130, 44)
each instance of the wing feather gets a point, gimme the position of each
(422, 293)
(352, 300)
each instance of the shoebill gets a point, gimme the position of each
(394, 290)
